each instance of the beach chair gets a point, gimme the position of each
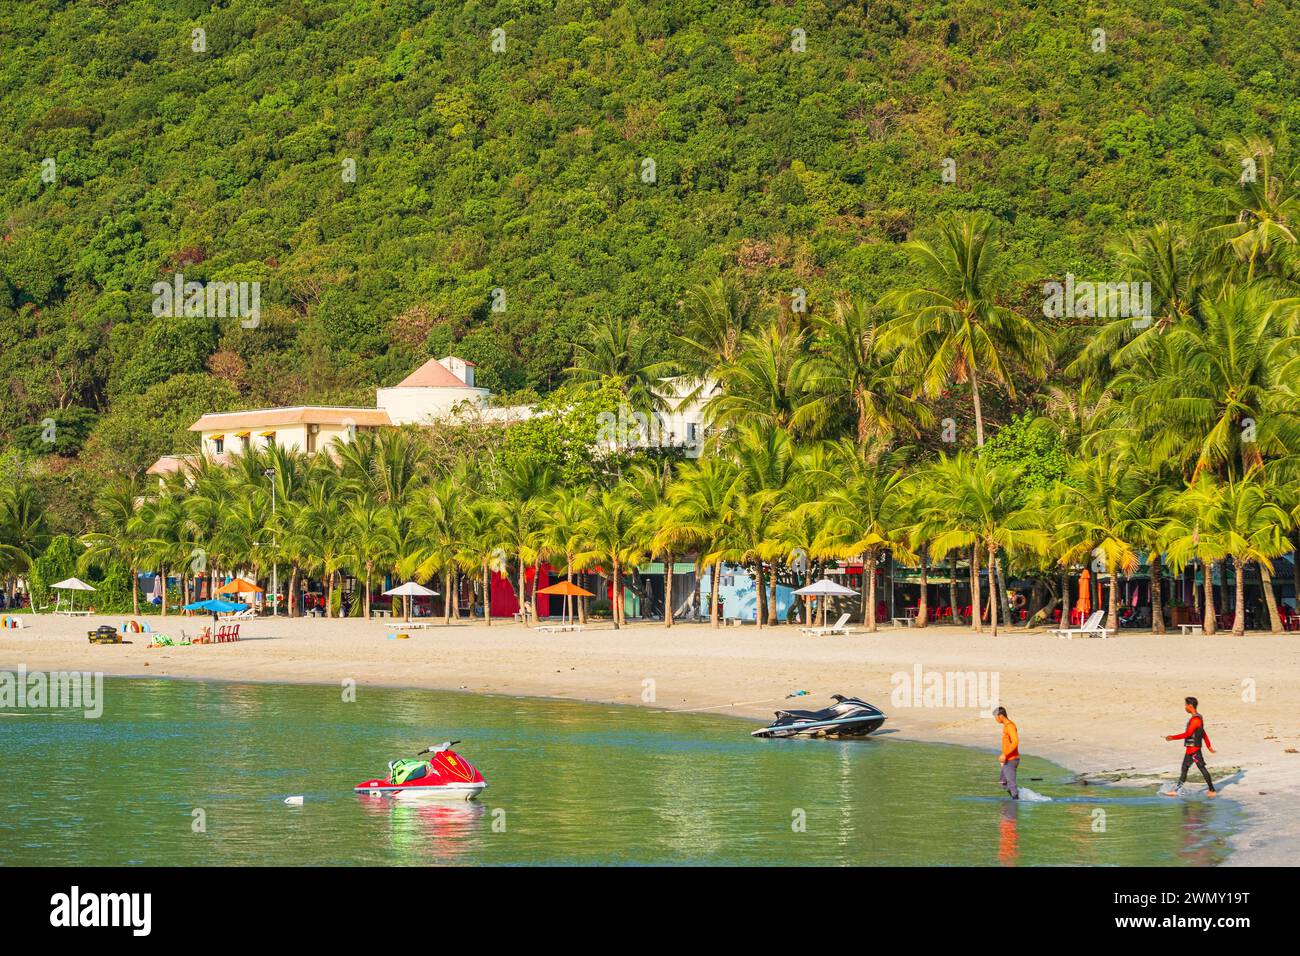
(1090, 628)
(839, 627)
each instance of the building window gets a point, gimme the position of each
(268, 439)
(218, 446)
(311, 440)
(244, 442)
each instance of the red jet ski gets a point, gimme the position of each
(445, 775)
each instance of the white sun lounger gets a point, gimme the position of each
(552, 628)
(839, 627)
(1091, 628)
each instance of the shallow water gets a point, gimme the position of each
(193, 773)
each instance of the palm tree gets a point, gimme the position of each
(701, 499)
(120, 535)
(770, 383)
(1192, 534)
(436, 515)
(769, 469)
(1261, 209)
(715, 320)
(614, 540)
(1219, 404)
(852, 372)
(369, 535)
(1171, 260)
(976, 506)
(1236, 519)
(564, 532)
(954, 327)
(615, 353)
(480, 547)
(1101, 509)
(861, 513)
(646, 488)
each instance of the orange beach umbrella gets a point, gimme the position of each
(239, 585)
(568, 589)
(1084, 604)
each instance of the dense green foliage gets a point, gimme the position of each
(754, 194)
(522, 170)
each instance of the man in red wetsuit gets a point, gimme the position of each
(1194, 735)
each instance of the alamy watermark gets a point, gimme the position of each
(1102, 300)
(628, 429)
(56, 690)
(211, 300)
(954, 689)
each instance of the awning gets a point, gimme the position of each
(215, 437)
(241, 434)
(266, 434)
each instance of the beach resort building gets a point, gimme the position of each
(437, 390)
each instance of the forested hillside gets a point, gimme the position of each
(591, 160)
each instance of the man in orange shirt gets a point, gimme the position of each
(1193, 735)
(1010, 756)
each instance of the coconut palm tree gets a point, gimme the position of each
(1172, 261)
(369, 540)
(701, 499)
(1261, 215)
(770, 383)
(955, 325)
(715, 319)
(615, 353)
(480, 546)
(119, 534)
(1218, 404)
(436, 516)
(1101, 510)
(977, 501)
(614, 541)
(861, 511)
(852, 373)
(564, 532)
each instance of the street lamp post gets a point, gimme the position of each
(275, 566)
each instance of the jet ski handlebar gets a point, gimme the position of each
(438, 748)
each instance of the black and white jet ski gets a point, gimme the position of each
(847, 717)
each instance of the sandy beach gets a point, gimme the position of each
(1098, 707)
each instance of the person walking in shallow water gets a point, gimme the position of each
(1193, 736)
(1010, 756)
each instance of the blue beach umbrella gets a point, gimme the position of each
(216, 606)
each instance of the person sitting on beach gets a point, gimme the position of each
(1194, 734)
(1010, 756)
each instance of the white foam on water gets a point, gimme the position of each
(1031, 796)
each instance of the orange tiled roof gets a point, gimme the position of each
(432, 374)
(295, 415)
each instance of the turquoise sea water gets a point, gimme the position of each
(195, 773)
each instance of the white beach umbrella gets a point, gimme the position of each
(71, 584)
(823, 589)
(407, 591)
(826, 588)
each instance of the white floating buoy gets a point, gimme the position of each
(293, 801)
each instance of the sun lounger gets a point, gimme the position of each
(552, 628)
(408, 625)
(839, 627)
(1090, 628)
